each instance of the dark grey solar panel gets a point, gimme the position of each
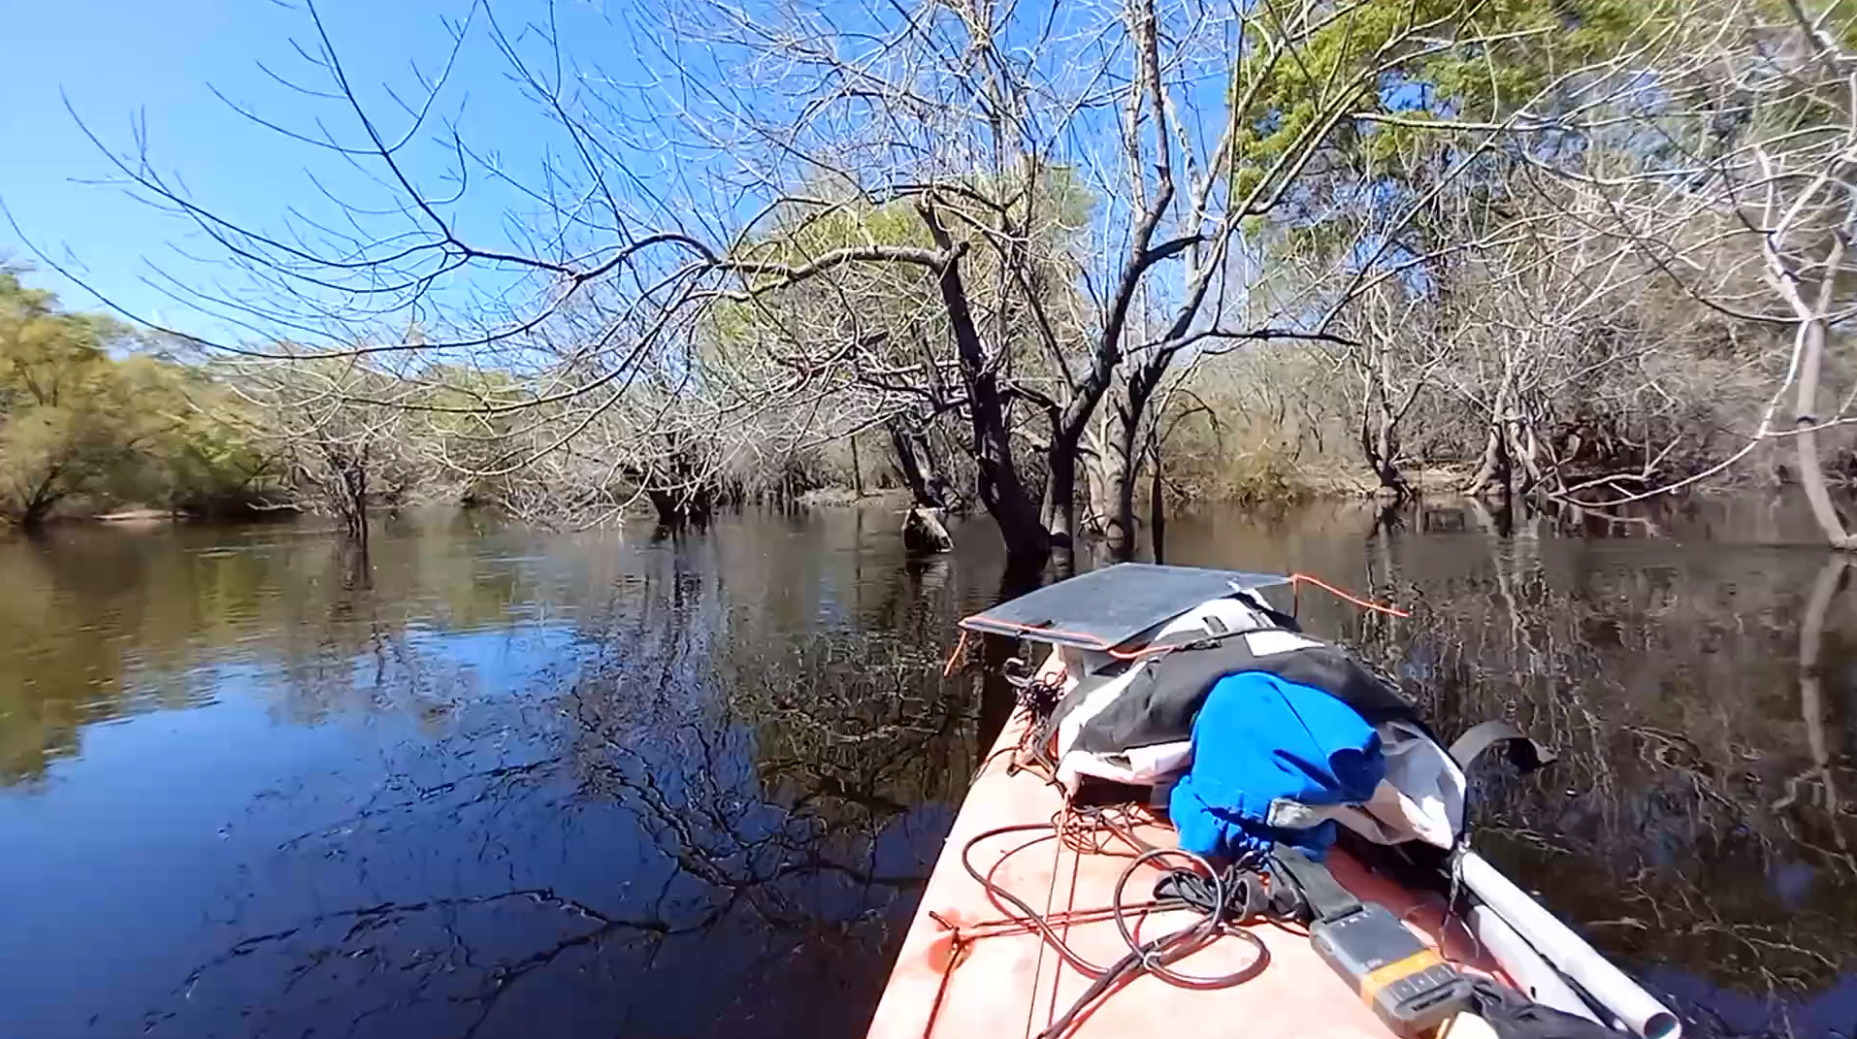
(1107, 607)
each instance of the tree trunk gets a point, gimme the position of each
(1386, 452)
(1379, 428)
(681, 493)
(358, 512)
(1157, 505)
(665, 504)
(1497, 464)
(1494, 466)
(39, 505)
(997, 481)
(34, 516)
(857, 471)
(936, 474)
(1060, 511)
(1121, 527)
(1805, 417)
(1126, 470)
(348, 487)
(1098, 490)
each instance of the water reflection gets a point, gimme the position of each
(504, 783)
(493, 785)
(1700, 695)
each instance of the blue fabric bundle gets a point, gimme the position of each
(1259, 740)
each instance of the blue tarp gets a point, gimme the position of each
(1259, 739)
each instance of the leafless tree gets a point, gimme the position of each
(991, 130)
(1393, 359)
(1729, 176)
(337, 427)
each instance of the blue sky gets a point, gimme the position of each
(113, 58)
(117, 59)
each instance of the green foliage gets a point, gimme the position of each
(1366, 60)
(207, 460)
(1288, 96)
(1545, 39)
(68, 415)
(76, 421)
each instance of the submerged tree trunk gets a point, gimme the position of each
(1121, 529)
(997, 481)
(679, 507)
(683, 488)
(1493, 471)
(1131, 415)
(1497, 471)
(1379, 439)
(358, 528)
(38, 505)
(915, 463)
(1383, 408)
(1126, 470)
(923, 532)
(345, 486)
(1060, 512)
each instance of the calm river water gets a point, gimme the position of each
(499, 782)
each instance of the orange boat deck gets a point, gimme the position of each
(971, 966)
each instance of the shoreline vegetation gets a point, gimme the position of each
(1431, 486)
(1578, 253)
(199, 441)
(200, 447)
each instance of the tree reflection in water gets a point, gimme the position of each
(1692, 826)
(503, 783)
(697, 792)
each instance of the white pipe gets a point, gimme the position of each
(1568, 952)
(1537, 978)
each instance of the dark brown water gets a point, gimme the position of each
(499, 782)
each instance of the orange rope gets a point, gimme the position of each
(1296, 583)
(1298, 580)
(959, 648)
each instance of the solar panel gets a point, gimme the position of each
(1107, 607)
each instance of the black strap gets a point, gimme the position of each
(1512, 1015)
(1245, 892)
(1311, 884)
(1525, 753)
